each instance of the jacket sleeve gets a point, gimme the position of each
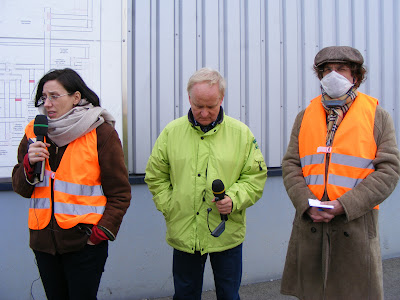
(114, 180)
(248, 189)
(292, 173)
(377, 186)
(158, 174)
(19, 181)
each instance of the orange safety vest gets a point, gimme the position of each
(351, 153)
(78, 194)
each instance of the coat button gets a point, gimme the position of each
(198, 175)
(313, 229)
(202, 137)
(346, 234)
(197, 213)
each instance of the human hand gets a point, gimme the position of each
(38, 152)
(320, 215)
(337, 207)
(97, 236)
(224, 206)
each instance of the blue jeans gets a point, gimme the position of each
(188, 270)
(74, 275)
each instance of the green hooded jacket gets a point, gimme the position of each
(180, 171)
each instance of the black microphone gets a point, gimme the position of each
(40, 128)
(218, 189)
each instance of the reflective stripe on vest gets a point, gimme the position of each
(77, 191)
(352, 151)
(314, 179)
(346, 182)
(46, 179)
(76, 209)
(341, 159)
(40, 203)
(312, 159)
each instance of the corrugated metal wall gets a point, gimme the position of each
(264, 49)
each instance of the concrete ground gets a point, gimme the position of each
(270, 290)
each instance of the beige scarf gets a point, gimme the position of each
(80, 120)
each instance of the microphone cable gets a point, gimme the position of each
(208, 213)
(33, 282)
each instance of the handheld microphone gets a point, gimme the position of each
(218, 189)
(40, 128)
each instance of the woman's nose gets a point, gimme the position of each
(47, 102)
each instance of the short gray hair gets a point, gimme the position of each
(207, 75)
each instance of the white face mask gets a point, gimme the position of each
(335, 85)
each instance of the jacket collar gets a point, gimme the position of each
(208, 127)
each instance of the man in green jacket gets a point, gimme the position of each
(190, 153)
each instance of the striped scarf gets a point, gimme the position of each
(335, 115)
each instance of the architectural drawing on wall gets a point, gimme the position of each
(34, 38)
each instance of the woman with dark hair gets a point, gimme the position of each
(80, 203)
(71, 81)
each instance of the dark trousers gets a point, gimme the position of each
(75, 275)
(188, 272)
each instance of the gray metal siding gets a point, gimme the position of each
(264, 49)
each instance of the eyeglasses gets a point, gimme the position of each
(42, 99)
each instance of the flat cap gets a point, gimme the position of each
(338, 54)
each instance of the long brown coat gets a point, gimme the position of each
(340, 259)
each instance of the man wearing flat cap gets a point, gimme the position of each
(342, 152)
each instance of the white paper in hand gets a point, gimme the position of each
(317, 203)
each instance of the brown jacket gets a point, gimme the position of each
(340, 259)
(115, 184)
